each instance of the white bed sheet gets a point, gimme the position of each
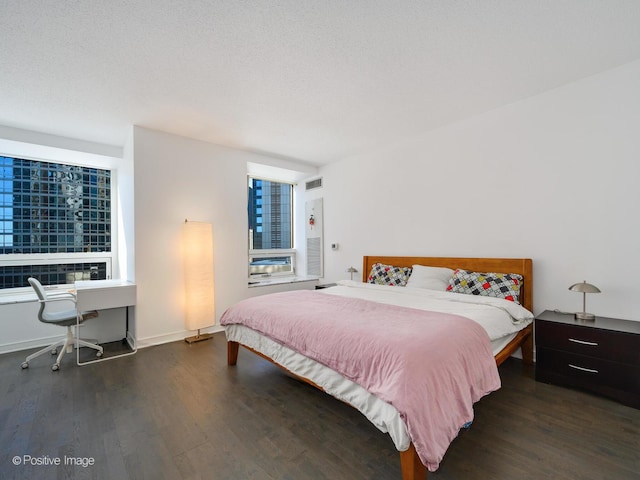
(501, 321)
(497, 316)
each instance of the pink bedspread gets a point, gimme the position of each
(431, 367)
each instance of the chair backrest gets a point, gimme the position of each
(42, 296)
(58, 317)
(37, 286)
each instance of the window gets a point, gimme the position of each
(270, 228)
(55, 222)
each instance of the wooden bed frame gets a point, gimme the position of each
(521, 266)
(411, 466)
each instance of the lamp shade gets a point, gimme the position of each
(584, 287)
(198, 275)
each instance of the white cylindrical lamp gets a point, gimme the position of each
(198, 278)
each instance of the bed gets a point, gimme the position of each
(327, 371)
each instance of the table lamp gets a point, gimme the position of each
(584, 288)
(351, 271)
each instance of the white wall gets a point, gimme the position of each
(178, 178)
(553, 178)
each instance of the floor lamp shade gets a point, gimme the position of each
(198, 275)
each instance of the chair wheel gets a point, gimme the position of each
(25, 365)
(54, 351)
(55, 367)
(99, 354)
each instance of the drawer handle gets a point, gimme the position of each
(582, 342)
(582, 369)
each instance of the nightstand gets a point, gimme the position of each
(601, 355)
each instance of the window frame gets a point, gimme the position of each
(285, 270)
(289, 268)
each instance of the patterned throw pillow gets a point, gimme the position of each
(382, 274)
(501, 285)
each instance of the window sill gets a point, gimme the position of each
(264, 282)
(27, 295)
(23, 297)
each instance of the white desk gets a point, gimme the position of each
(105, 294)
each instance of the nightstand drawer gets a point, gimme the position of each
(593, 342)
(587, 371)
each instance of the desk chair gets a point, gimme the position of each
(66, 318)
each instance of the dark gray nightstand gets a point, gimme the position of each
(601, 355)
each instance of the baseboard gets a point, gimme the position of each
(140, 342)
(172, 337)
(30, 344)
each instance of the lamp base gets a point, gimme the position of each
(198, 338)
(584, 316)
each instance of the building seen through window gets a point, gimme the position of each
(270, 210)
(55, 222)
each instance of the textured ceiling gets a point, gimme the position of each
(313, 80)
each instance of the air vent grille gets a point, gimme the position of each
(311, 184)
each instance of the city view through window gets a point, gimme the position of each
(52, 211)
(270, 209)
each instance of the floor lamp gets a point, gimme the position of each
(198, 278)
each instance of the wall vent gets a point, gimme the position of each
(311, 184)
(314, 237)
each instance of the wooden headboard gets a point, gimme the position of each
(521, 266)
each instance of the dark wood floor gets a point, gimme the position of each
(178, 412)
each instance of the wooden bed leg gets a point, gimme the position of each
(232, 352)
(411, 466)
(527, 349)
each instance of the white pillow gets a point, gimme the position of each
(433, 278)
